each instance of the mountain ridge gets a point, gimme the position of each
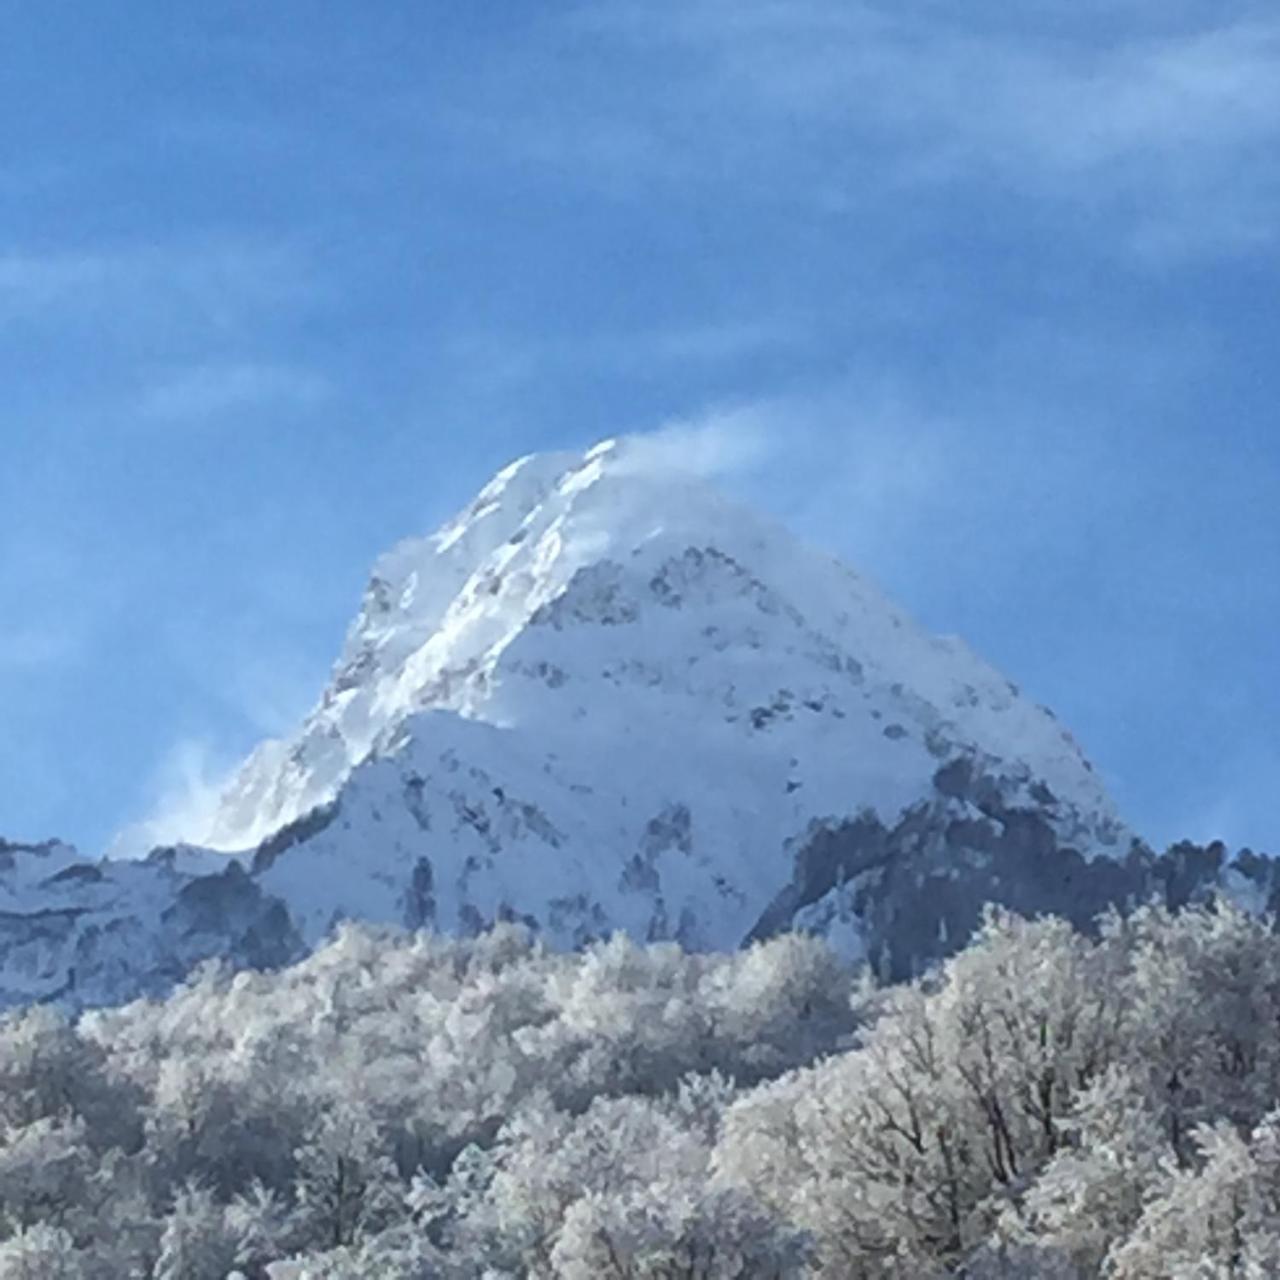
(548, 541)
(604, 697)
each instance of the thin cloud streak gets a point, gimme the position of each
(214, 281)
(720, 442)
(1174, 134)
(57, 597)
(497, 358)
(213, 390)
(28, 647)
(188, 785)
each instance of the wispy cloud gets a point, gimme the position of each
(1171, 130)
(212, 390)
(53, 601)
(213, 281)
(697, 343)
(513, 357)
(25, 646)
(718, 442)
(247, 682)
(860, 470)
(186, 788)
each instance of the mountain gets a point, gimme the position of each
(606, 697)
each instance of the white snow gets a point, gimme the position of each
(604, 697)
(588, 647)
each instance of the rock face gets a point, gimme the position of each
(87, 933)
(605, 698)
(907, 895)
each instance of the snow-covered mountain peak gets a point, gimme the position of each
(603, 598)
(606, 697)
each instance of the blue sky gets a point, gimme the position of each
(991, 293)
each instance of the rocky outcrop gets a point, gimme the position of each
(900, 896)
(910, 893)
(92, 933)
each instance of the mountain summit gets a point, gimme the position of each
(604, 697)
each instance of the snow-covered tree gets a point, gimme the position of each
(1045, 1104)
(1221, 1218)
(347, 1184)
(197, 1242)
(42, 1252)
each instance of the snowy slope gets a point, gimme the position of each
(603, 697)
(95, 932)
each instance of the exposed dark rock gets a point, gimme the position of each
(595, 594)
(294, 833)
(228, 915)
(41, 848)
(76, 873)
(355, 672)
(1186, 870)
(507, 914)
(639, 874)
(670, 829)
(420, 898)
(10, 850)
(918, 888)
(828, 856)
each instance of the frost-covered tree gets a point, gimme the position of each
(42, 1252)
(45, 1171)
(49, 1070)
(1204, 998)
(347, 1185)
(197, 1242)
(1114, 1154)
(1044, 1104)
(1221, 1218)
(676, 1230)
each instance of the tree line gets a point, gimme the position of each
(405, 1105)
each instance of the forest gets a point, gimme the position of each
(1046, 1103)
